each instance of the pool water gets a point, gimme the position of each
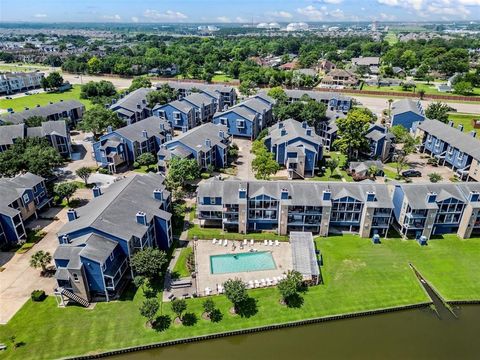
(232, 263)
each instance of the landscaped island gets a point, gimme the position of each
(357, 274)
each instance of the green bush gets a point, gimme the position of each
(38, 295)
(205, 175)
(103, 171)
(136, 165)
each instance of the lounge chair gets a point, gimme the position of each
(214, 241)
(257, 283)
(274, 281)
(245, 242)
(251, 242)
(277, 243)
(265, 242)
(207, 291)
(269, 282)
(225, 242)
(270, 242)
(263, 282)
(250, 284)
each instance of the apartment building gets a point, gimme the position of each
(13, 82)
(284, 206)
(407, 113)
(133, 107)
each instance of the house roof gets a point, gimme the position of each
(193, 85)
(300, 193)
(405, 105)
(151, 125)
(246, 113)
(294, 129)
(366, 61)
(198, 99)
(12, 188)
(195, 138)
(304, 256)
(114, 212)
(316, 95)
(43, 111)
(8, 133)
(130, 101)
(454, 137)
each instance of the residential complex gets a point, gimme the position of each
(208, 144)
(435, 209)
(333, 101)
(380, 142)
(452, 147)
(248, 118)
(284, 206)
(21, 197)
(69, 110)
(97, 243)
(56, 132)
(11, 83)
(121, 147)
(295, 146)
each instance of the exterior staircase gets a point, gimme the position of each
(74, 297)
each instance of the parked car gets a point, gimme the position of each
(411, 173)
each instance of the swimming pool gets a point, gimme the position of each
(232, 263)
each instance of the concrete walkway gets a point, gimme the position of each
(244, 161)
(18, 280)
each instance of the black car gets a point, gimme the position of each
(411, 173)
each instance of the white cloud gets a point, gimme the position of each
(387, 17)
(240, 19)
(416, 4)
(167, 15)
(115, 17)
(224, 19)
(312, 13)
(135, 19)
(280, 14)
(39, 16)
(333, 1)
(337, 14)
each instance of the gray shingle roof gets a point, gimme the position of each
(8, 133)
(316, 95)
(193, 85)
(294, 129)
(198, 99)
(300, 192)
(405, 105)
(12, 188)
(416, 194)
(452, 136)
(43, 111)
(134, 132)
(115, 211)
(195, 138)
(131, 100)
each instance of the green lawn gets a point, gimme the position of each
(428, 88)
(181, 264)
(222, 78)
(30, 101)
(358, 276)
(210, 233)
(23, 67)
(338, 174)
(465, 120)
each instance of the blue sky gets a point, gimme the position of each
(214, 11)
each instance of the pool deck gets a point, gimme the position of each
(282, 255)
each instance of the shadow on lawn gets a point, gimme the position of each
(247, 308)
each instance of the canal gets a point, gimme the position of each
(409, 334)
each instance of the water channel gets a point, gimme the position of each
(409, 334)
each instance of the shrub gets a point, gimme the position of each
(136, 165)
(103, 171)
(435, 177)
(204, 175)
(38, 295)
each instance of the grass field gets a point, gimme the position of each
(22, 67)
(465, 120)
(181, 265)
(30, 101)
(338, 174)
(358, 276)
(222, 78)
(429, 89)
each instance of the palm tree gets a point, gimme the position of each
(41, 259)
(372, 171)
(421, 93)
(390, 101)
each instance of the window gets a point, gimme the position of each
(176, 115)
(460, 155)
(212, 201)
(450, 150)
(240, 124)
(26, 198)
(161, 113)
(224, 121)
(75, 277)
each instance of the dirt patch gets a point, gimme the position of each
(205, 316)
(177, 321)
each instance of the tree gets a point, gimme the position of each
(351, 132)
(100, 89)
(409, 143)
(84, 173)
(438, 111)
(98, 119)
(146, 159)
(290, 285)
(208, 306)
(435, 177)
(65, 190)
(332, 164)
(463, 88)
(53, 81)
(390, 101)
(148, 262)
(372, 171)
(264, 164)
(35, 155)
(149, 309)
(178, 307)
(41, 259)
(278, 94)
(180, 171)
(161, 96)
(235, 291)
(140, 82)
(246, 87)
(35, 121)
(421, 93)
(94, 65)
